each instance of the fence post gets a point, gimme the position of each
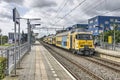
(7, 62)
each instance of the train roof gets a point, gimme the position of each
(63, 33)
(83, 33)
(79, 30)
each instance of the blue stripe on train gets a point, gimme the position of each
(64, 39)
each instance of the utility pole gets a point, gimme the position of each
(114, 43)
(19, 43)
(103, 37)
(29, 30)
(15, 44)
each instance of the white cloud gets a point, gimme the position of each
(39, 3)
(5, 11)
(48, 11)
(14, 1)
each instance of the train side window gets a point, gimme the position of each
(76, 36)
(65, 43)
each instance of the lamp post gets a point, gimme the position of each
(32, 26)
(29, 29)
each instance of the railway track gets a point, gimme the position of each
(88, 75)
(105, 72)
(104, 62)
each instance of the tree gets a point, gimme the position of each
(111, 33)
(4, 39)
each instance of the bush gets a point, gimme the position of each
(2, 67)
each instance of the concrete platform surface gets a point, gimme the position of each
(108, 52)
(39, 64)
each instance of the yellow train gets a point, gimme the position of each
(79, 42)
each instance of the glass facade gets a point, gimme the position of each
(102, 23)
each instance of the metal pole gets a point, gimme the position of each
(8, 62)
(15, 45)
(30, 38)
(103, 37)
(114, 37)
(19, 43)
(28, 23)
(1, 39)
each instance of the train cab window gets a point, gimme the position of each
(84, 36)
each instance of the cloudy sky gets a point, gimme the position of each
(54, 13)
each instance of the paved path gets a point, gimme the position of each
(39, 64)
(40, 73)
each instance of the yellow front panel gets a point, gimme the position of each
(81, 43)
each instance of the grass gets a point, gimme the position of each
(6, 44)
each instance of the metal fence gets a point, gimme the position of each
(107, 46)
(14, 54)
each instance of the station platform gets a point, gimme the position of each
(39, 64)
(108, 54)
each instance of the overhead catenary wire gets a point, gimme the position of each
(64, 3)
(70, 11)
(107, 12)
(88, 8)
(60, 9)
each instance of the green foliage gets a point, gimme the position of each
(2, 67)
(4, 39)
(111, 33)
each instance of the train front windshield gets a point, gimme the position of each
(84, 37)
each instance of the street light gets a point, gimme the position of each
(33, 25)
(29, 28)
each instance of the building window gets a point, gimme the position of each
(90, 27)
(106, 22)
(101, 25)
(111, 26)
(111, 20)
(91, 21)
(92, 32)
(94, 26)
(116, 20)
(96, 20)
